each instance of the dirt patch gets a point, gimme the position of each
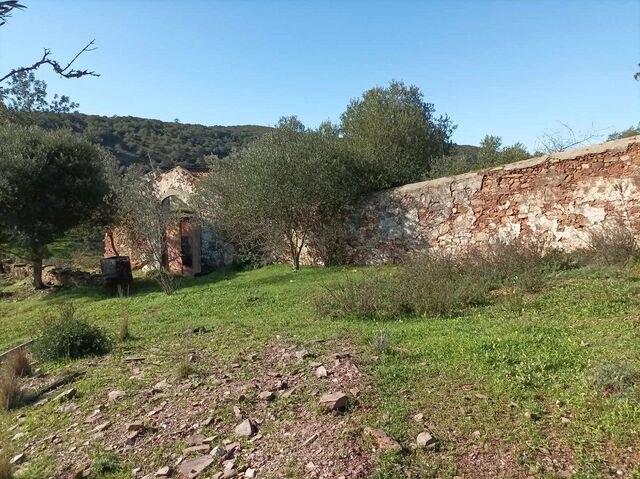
(294, 437)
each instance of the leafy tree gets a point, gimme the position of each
(394, 134)
(278, 192)
(25, 93)
(489, 150)
(51, 182)
(631, 131)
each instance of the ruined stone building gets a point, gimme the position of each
(554, 200)
(189, 249)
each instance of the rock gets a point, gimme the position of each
(565, 420)
(202, 449)
(134, 359)
(193, 467)
(95, 415)
(18, 436)
(426, 440)
(334, 401)
(246, 428)
(162, 472)
(321, 372)
(383, 440)
(250, 472)
(311, 439)
(66, 395)
(102, 427)
(218, 451)
(131, 436)
(418, 417)
(68, 407)
(196, 440)
(17, 459)
(136, 426)
(315, 364)
(267, 396)
(160, 386)
(116, 395)
(302, 354)
(236, 412)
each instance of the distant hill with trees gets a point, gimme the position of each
(141, 140)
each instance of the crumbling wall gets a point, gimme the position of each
(553, 200)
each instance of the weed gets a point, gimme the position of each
(10, 388)
(381, 342)
(612, 244)
(614, 379)
(123, 329)
(69, 337)
(184, 370)
(6, 469)
(20, 362)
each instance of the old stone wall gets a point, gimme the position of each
(553, 200)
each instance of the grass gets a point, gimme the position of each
(497, 378)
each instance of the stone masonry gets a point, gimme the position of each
(553, 200)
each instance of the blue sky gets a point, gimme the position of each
(513, 68)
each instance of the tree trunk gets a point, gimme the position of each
(296, 261)
(37, 274)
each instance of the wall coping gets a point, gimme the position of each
(620, 145)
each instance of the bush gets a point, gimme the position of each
(20, 362)
(10, 388)
(616, 379)
(612, 244)
(106, 463)
(68, 337)
(441, 284)
(376, 297)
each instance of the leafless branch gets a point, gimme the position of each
(65, 72)
(557, 141)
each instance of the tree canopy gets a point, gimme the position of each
(51, 182)
(394, 135)
(279, 191)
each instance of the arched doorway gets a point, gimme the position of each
(182, 240)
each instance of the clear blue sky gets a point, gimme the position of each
(514, 68)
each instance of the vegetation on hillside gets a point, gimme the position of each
(142, 141)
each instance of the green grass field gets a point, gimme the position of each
(507, 389)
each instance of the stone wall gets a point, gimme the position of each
(553, 200)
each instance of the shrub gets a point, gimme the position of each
(106, 463)
(442, 284)
(375, 297)
(10, 388)
(69, 337)
(612, 244)
(20, 362)
(615, 379)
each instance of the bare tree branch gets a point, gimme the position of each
(65, 72)
(5, 9)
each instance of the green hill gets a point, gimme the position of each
(140, 140)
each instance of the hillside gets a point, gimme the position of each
(138, 140)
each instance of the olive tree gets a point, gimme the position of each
(50, 182)
(394, 134)
(280, 192)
